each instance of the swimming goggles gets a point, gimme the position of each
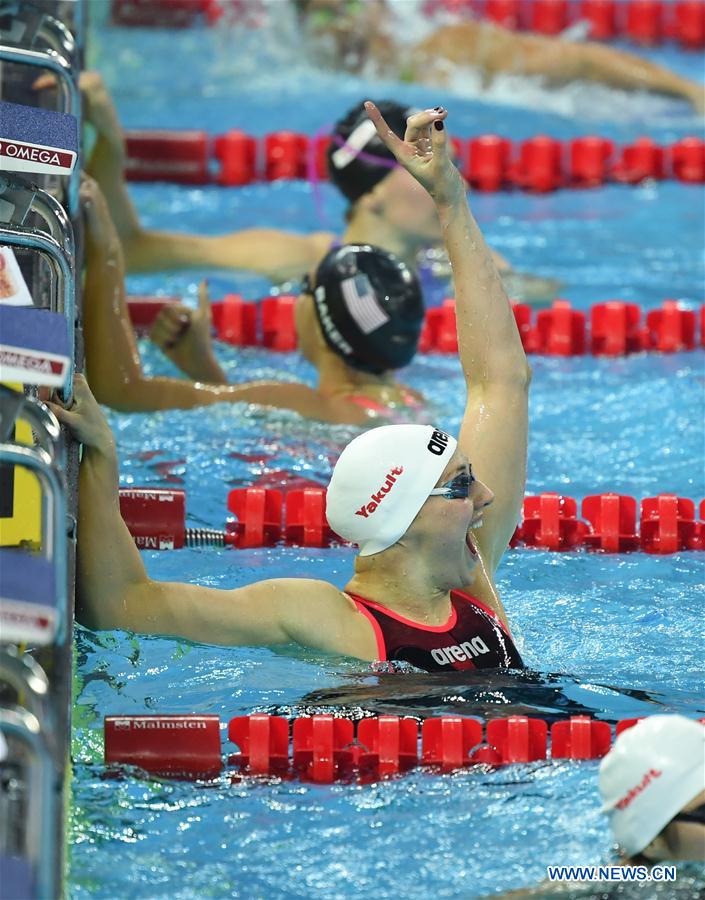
(456, 489)
(695, 815)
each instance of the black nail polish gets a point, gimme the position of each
(439, 109)
(438, 125)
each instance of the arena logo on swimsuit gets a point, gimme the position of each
(445, 656)
(368, 508)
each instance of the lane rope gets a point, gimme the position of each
(610, 328)
(489, 162)
(325, 748)
(266, 517)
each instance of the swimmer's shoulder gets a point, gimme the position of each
(320, 242)
(396, 405)
(317, 614)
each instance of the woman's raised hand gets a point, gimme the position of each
(423, 152)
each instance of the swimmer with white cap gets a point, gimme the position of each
(418, 502)
(652, 784)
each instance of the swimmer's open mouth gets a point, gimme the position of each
(470, 540)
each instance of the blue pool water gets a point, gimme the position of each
(614, 635)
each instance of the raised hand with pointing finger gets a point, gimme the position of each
(423, 152)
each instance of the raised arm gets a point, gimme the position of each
(114, 590)
(493, 432)
(275, 254)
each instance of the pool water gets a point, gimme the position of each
(614, 636)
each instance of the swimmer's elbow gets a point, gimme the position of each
(116, 394)
(516, 377)
(523, 377)
(134, 607)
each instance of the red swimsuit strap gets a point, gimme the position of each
(483, 606)
(371, 604)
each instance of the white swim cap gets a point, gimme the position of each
(381, 481)
(654, 769)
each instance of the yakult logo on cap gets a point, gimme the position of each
(635, 791)
(375, 499)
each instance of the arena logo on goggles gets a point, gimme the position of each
(375, 499)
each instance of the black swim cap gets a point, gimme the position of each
(356, 147)
(369, 307)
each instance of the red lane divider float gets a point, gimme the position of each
(325, 748)
(264, 517)
(156, 519)
(489, 162)
(645, 22)
(615, 328)
(165, 13)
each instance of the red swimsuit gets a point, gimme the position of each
(474, 637)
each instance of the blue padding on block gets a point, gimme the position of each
(33, 329)
(38, 126)
(16, 879)
(27, 578)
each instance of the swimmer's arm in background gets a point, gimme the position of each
(112, 359)
(276, 254)
(561, 62)
(495, 50)
(107, 160)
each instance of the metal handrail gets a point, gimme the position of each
(14, 406)
(26, 676)
(24, 197)
(24, 726)
(62, 266)
(30, 24)
(70, 94)
(33, 239)
(54, 541)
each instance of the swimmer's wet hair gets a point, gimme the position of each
(356, 173)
